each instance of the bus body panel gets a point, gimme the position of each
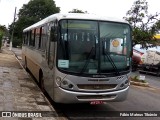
(113, 93)
(36, 62)
(112, 83)
(33, 60)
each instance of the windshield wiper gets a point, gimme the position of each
(111, 61)
(88, 60)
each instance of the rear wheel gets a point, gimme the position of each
(25, 65)
(41, 81)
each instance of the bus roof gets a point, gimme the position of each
(83, 16)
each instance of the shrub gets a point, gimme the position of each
(16, 42)
(136, 79)
(1, 35)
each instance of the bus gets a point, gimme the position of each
(79, 58)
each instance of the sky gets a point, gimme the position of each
(110, 8)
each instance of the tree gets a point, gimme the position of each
(77, 11)
(3, 34)
(143, 24)
(3, 30)
(31, 13)
(38, 9)
(157, 25)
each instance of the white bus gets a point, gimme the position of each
(79, 58)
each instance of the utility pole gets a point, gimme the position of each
(13, 29)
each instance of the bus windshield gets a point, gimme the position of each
(93, 47)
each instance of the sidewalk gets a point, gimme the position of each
(18, 92)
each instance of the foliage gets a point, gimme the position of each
(3, 30)
(31, 13)
(143, 23)
(16, 42)
(136, 79)
(77, 11)
(1, 35)
(157, 26)
(38, 9)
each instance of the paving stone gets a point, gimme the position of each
(44, 108)
(8, 106)
(10, 118)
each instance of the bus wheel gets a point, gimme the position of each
(41, 81)
(25, 65)
(158, 73)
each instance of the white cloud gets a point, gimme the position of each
(7, 8)
(111, 8)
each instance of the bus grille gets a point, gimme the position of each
(96, 96)
(96, 86)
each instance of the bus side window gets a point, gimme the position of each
(24, 38)
(53, 38)
(40, 38)
(37, 36)
(43, 38)
(29, 38)
(53, 33)
(32, 40)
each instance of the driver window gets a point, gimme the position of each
(53, 33)
(52, 39)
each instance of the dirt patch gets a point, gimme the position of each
(8, 60)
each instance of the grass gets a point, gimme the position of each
(136, 79)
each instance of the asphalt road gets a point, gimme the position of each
(139, 99)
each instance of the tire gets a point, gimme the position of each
(158, 73)
(25, 65)
(41, 81)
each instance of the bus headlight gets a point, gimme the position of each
(70, 86)
(58, 80)
(64, 82)
(124, 84)
(67, 84)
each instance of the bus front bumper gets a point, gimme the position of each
(65, 96)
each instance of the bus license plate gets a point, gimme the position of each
(97, 102)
